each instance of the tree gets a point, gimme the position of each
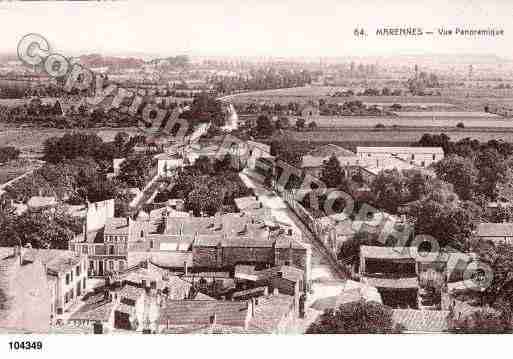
(203, 200)
(282, 123)
(300, 123)
(8, 153)
(204, 165)
(264, 126)
(483, 321)
(492, 171)
(331, 172)
(356, 318)
(390, 190)
(135, 170)
(459, 171)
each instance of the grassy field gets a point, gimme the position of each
(16, 168)
(390, 137)
(333, 122)
(30, 140)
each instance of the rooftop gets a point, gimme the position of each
(495, 230)
(269, 311)
(395, 150)
(95, 308)
(392, 283)
(199, 312)
(330, 150)
(41, 202)
(427, 321)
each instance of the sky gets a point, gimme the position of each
(276, 28)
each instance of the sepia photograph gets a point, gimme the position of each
(246, 168)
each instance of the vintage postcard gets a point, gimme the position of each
(232, 167)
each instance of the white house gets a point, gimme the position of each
(419, 156)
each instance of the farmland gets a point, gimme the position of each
(331, 122)
(30, 140)
(391, 137)
(16, 168)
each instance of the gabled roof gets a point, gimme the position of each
(392, 283)
(199, 312)
(270, 311)
(395, 150)
(329, 150)
(431, 321)
(41, 202)
(495, 230)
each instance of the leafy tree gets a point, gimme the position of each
(484, 321)
(492, 171)
(8, 153)
(300, 123)
(312, 125)
(390, 190)
(264, 126)
(203, 200)
(331, 172)
(459, 171)
(356, 318)
(135, 170)
(204, 165)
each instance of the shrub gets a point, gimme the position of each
(379, 125)
(460, 125)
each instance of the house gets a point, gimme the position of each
(184, 315)
(168, 163)
(421, 321)
(203, 243)
(310, 110)
(96, 313)
(392, 270)
(41, 203)
(66, 275)
(248, 203)
(25, 294)
(495, 232)
(419, 156)
(275, 313)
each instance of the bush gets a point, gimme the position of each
(8, 153)
(379, 125)
(460, 125)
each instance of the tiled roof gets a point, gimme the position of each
(347, 296)
(269, 312)
(392, 283)
(22, 286)
(329, 150)
(495, 230)
(396, 150)
(288, 272)
(246, 203)
(432, 321)
(131, 292)
(94, 307)
(388, 252)
(56, 260)
(198, 312)
(116, 226)
(40, 201)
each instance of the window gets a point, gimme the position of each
(121, 265)
(434, 157)
(91, 265)
(84, 283)
(84, 249)
(66, 298)
(71, 247)
(412, 157)
(423, 163)
(67, 278)
(111, 250)
(71, 292)
(71, 276)
(111, 266)
(77, 270)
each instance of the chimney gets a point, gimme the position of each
(253, 305)
(185, 268)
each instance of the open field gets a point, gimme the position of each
(13, 169)
(459, 114)
(30, 140)
(332, 122)
(393, 136)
